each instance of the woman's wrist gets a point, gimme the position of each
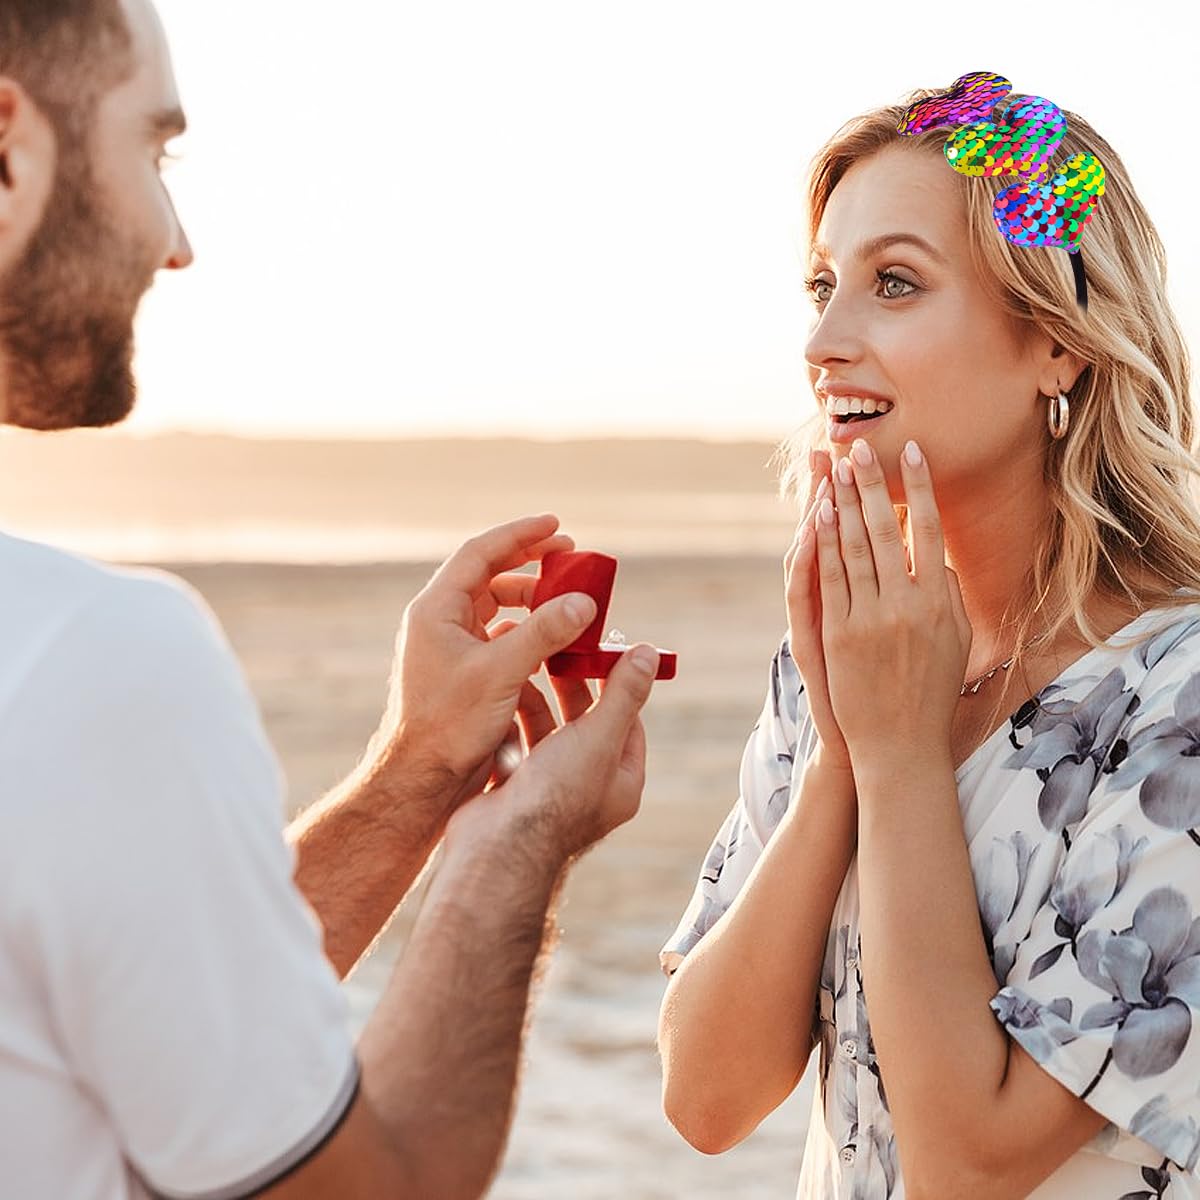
(834, 772)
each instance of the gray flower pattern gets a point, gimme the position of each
(1082, 821)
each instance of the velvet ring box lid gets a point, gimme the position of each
(587, 571)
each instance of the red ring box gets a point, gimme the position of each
(587, 657)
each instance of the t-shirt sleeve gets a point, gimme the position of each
(764, 794)
(1105, 991)
(183, 970)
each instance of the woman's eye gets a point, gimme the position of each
(886, 277)
(813, 284)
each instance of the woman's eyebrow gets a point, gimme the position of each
(873, 246)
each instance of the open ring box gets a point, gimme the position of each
(587, 657)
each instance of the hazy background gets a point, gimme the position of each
(462, 261)
(553, 217)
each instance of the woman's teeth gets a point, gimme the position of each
(845, 408)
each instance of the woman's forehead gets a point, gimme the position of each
(894, 191)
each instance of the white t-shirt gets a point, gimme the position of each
(169, 1024)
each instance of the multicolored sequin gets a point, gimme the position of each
(1048, 206)
(1023, 143)
(971, 98)
(1053, 214)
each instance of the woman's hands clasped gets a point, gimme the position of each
(890, 625)
(803, 592)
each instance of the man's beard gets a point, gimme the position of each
(67, 309)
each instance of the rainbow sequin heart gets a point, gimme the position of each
(1027, 137)
(971, 97)
(1049, 206)
(1054, 213)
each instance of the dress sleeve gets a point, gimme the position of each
(182, 969)
(1105, 991)
(764, 793)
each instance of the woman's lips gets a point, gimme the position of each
(844, 432)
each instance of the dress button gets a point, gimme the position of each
(850, 1047)
(847, 1155)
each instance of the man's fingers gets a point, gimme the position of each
(560, 541)
(533, 712)
(512, 590)
(475, 563)
(546, 631)
(574, 696)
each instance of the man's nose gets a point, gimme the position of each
(181, 255)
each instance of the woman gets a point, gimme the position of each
(964, 859)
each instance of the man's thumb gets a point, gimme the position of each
(626, 690)
(551, 627)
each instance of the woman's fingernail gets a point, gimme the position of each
(912, 454)
(806, 537)
(844, 474)
(823, 488)
(827, 511)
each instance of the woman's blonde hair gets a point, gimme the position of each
(1120, 483)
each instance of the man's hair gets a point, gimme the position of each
(1121, 484)
(66, 54)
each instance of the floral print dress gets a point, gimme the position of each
(1082, 819)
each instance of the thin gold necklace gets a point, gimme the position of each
(980, 680)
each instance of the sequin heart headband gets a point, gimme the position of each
(1045, 207)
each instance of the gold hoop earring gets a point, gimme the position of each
(1058, 416)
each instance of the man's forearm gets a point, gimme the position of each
(359, 850)
(441, 1052)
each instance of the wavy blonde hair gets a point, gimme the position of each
(1123, 502)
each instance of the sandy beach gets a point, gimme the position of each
(316, 644)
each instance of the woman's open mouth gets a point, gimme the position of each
(845, 427)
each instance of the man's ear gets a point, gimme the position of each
(28, 152)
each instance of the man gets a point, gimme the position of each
(169, 1024)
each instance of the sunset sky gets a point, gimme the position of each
(554, 218)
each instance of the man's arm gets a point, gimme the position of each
(440, 1054)
(454, 695)
(358, 851)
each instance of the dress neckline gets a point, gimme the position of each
(1083, 659)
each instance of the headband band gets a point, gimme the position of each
(1047, 206)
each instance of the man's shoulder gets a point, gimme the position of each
(57, 606)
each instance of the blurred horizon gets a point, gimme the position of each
(177, 497)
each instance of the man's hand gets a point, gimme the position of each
(579, 781)
(454, 690)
